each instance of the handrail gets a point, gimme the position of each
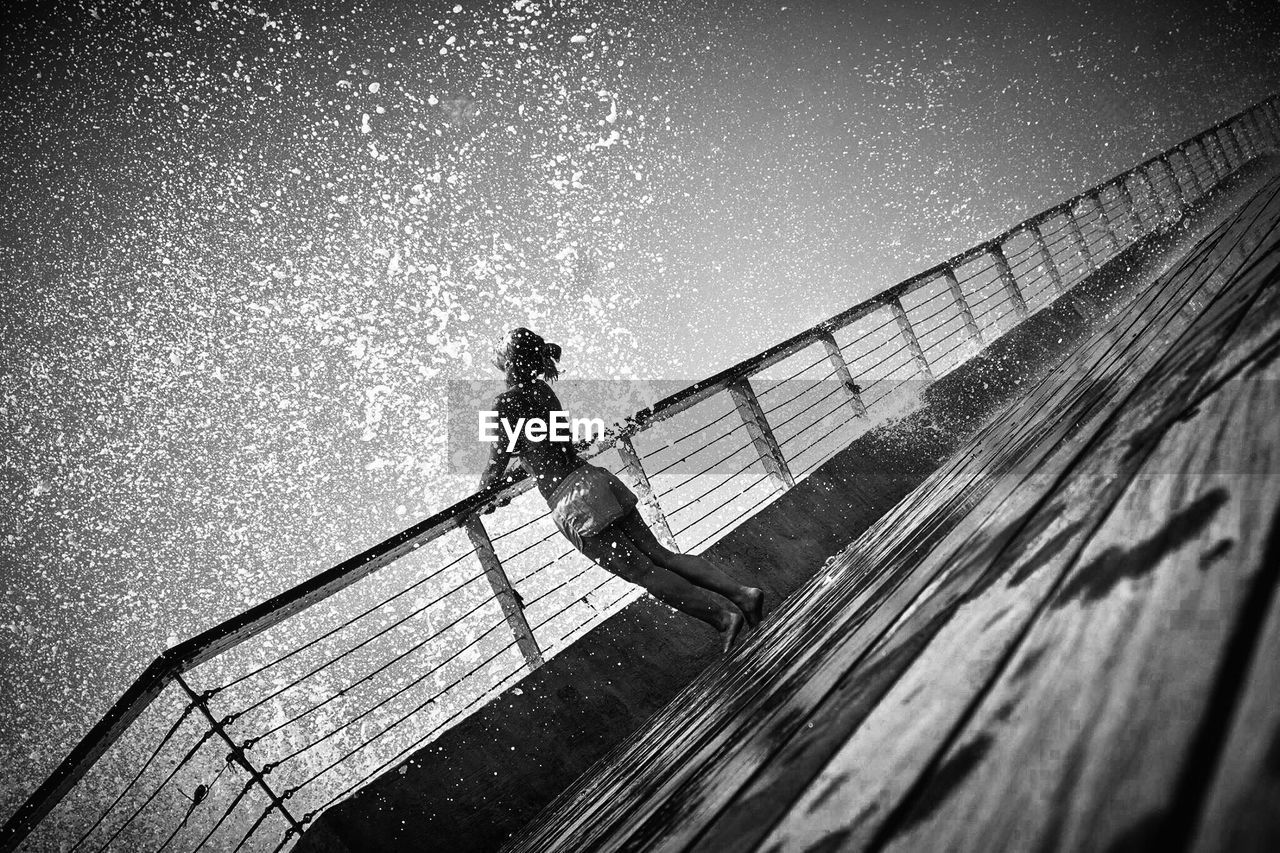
(171, 664)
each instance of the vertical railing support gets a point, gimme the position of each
(644, 491)
(1175, 182)
(1272, 115)
(1266, 123)
(1240, 142)
(1082, 246)
(1123, 186)
(1219, 151)
(1261, 123)
(1007, 279)
(962, 304)
(1250, 134)
(1227, 168)
(909, 337)
(1210, 159)
(1108, 227)
(1201, 187)
(1054, 276)
(1266, 130)
(1246, 139)
(237, 753)
(841, 369)
(767, 448)
(1162, 212)
(508, 599)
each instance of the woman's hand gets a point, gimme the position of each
(502, 501)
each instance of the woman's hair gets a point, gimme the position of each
(524, 355)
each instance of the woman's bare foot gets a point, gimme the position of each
(731, 630)
(752, 605)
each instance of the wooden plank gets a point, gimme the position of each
(662, 780)
(1240, 804)
(879, 763)
(1081, 742)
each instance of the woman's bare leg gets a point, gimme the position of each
(614, 551)
(693, 568)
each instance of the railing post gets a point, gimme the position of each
(508, 599)
(767, 448)
(966, 313)
(256, 776)
(1210, 158)
(1007, 279)
(1215, 141)
(1266, 131)
(1201, 187)
(1250, 136)
(1258, 127)
(1082, 246)
(1123, 186)
(1267, 122)
(1107, 227)
(909, 337)
(1227, 168)
(1054, 275)
(644, 491)
(841, 367)
(1240, 141)
(1272, 116)
(1161, 211)
(1175, 182)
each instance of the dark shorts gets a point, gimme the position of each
(587, 501)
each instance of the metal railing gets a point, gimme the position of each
(239, 737)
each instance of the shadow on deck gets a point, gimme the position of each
(1065, 637)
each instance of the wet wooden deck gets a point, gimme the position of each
(1066, 638)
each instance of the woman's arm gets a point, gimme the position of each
(501, 465)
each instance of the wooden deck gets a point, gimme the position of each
(1066, 638)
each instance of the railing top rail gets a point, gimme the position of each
(241, 627)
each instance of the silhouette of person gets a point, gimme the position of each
(593, 508)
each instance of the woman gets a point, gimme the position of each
(594, 509)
